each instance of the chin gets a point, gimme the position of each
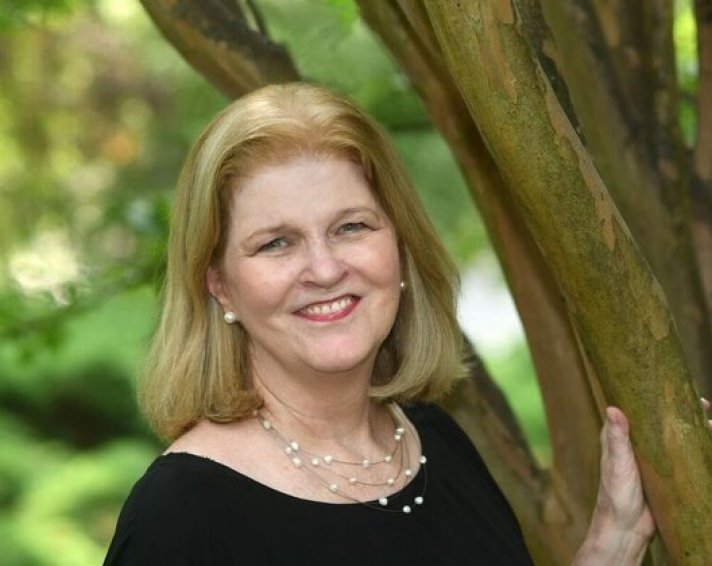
(336, 366)
(334, 362)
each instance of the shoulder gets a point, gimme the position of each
(427, 413)
(176, 479)
(175, 511)
(443, 437)
(432, 420)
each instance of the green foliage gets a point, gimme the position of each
(443, 191)
(71, 441)
(89, 149)
(685, 37)
(18, 13)
(67, 509)
(326, 37)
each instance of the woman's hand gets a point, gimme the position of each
(706, 406)
(621, 525)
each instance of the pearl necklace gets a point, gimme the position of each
(298, 455)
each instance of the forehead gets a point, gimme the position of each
(308, 187)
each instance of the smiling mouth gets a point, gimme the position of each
(329, 310)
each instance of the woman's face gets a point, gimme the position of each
(311, 267)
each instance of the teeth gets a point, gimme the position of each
(329, 308)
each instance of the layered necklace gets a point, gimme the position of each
(342, 476)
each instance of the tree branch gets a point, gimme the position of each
(257, 16)
(214, 37)
(636, 40)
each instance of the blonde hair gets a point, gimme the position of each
(197, 365)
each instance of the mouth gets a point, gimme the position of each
(327, 311)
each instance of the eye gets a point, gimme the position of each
(351, 227)
(273, 245)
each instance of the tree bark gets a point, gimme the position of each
(619, 308)
(632, 137)
(215, 38)
(701, 187)
(703, 142)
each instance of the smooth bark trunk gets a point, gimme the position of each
(619, 308)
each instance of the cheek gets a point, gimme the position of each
(256, 290)
(384, 262)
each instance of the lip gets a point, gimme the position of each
(330, 317)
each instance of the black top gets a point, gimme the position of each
(189, 510)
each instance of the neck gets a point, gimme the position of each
(331, 410)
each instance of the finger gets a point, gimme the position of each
(616, 439)
(705, 404)
(616, 420)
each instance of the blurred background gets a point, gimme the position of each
(96, 114)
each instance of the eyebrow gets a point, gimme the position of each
(267, 230)
(354, 210)
(284, 227)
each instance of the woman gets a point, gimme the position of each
(308, 322)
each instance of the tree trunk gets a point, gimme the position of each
(701, 186)
(618, 307)
(628, 112)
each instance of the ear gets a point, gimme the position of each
(216, 287)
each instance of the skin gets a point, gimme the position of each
(304, 234)
(311, 269)
(622, 525)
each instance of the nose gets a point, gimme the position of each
(323, 267)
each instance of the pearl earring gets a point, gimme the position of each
(403, 285)
(229, 317)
